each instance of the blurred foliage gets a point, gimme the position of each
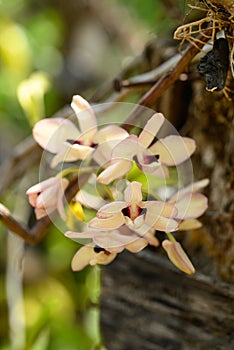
(61, 307)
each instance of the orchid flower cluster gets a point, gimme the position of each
(124, 213)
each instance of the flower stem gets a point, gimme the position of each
(79, 171)
(170, 237)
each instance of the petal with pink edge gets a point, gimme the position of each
(51, 133)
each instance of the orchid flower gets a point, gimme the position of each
(61, 136)
(138, 215)
(106, 245)
(152, 159)
(47, 196)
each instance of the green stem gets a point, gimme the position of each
(80, 171)
(170, 237)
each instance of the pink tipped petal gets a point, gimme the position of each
(51, 133)
(151, 129)
(191, 207)
(41, 186)
(110, 132)
(191, 224)
(110, 223)
(85, 115)
(173, 149)
(178, 257)
(132, 193)
(114, 171)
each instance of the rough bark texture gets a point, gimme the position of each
(147, 304)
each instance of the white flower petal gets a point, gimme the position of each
(51, 133)
(89, 200)
(193, 187)
(132, 193)
(151, 129)
(173, 149)
(71, 153)
(110, 223)
(191, 206)
(110, 132)
(111, 208)
(86, 118)
(114, 171)
(126, 149)
(158, 208)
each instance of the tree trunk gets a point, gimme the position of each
(149, 305)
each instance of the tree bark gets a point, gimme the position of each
(149, 305)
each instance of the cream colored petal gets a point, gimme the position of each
(155, 208)
(151, 239)
(151, 129)
(110, 223)
(178, 257)
(194, 187)
(165, 224)
(72, 153)
(173, 149)
(156, 169)
(132, 193)
(126, 149)
(114, 171)
(85, 115)
(51, 133)
(89, 200)
(191, 224)
(87, 256)
(113, 240)
(110, 209)
(137, 245)
(191, 207)
(110, 132)
(41, 186)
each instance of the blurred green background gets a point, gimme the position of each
(49, 51)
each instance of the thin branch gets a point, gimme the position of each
(166, 81)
